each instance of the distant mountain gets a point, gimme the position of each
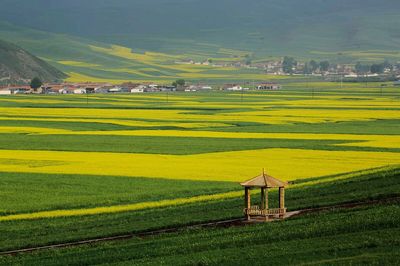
(16, 64)
(306, 28)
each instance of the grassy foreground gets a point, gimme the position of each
(364, 235)
(74, 168)
(354, 187)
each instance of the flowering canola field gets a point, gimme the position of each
(331, 132)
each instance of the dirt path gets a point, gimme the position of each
(223, 223)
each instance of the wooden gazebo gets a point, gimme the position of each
(262, 211)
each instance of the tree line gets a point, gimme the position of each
(289, 65)
(373, 68)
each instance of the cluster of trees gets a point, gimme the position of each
(36, 83)
(312, 66)
(289, 64)
(179, 83)
(374, 68)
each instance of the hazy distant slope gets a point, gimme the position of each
(88, 60)
(265, 27)
(17, 64)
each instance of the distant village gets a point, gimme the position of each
(381, 72)
(289, 66)
(105, 88)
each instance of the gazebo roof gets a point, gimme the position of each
(264, 180)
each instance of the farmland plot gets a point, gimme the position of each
(75, 160)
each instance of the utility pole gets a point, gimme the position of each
(341, 81)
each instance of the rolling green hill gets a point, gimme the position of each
(17, 64)
(309, 28)
(117, 41)
(87, 60)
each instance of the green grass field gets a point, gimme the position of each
(373, 223)
(75, 167)
(361, 236)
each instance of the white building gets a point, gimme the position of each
(115, 90)
(206, 88)
(80, 91)
(64, 91)
(6, 92)
(235, 88)
(9, 91)
(268, 86)
(138, 89)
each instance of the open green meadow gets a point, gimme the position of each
(76, 167)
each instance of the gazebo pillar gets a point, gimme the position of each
(247, 202)
(262, 202)
(264, 199)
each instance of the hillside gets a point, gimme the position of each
(16, 64)
(87, 60)
(118, 41)
(310, 28)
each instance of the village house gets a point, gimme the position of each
(65, 90)
(115, 90)
(90, 90)
(193, 88)
(232, 87)
(268, 86)
(15, 90)
(167, 88)
(7, 91)
(138, 89)
(152, 88)
(102, 89)
(80, 91)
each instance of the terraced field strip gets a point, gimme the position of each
(219, 166)
(376, 141)
(273, 116)
(118, 208)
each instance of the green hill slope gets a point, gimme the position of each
(308, 28)
(88, 60)
(17, 64)
(126, 40)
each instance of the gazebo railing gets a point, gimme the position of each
(257, 211)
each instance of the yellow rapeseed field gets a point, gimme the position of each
(198, 116)
(275, 116)
(288, 164)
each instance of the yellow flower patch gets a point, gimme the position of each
(287, 164)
